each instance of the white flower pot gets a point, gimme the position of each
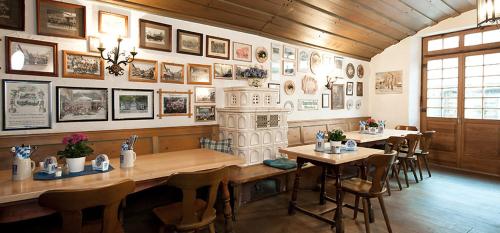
(75, 164)
(336, 143)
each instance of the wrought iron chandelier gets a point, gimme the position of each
(488, 12)
(113, 57)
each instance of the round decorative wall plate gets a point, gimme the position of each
(350, 104)
(261, 54)
(358, 104)
(289, 87)
(350, 71)
(315, 62)
(309, 85)
(289, 106)
(361, 71)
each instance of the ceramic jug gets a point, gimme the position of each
(22, 168)
(127, 158)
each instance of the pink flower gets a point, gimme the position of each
(66, 140)
(75, 138)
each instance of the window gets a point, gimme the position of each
(478, 38)
(446, 43)
(442, 87)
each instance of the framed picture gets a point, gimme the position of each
(289, 53)
(360, 71)
(338, 96)
(275, 86)
(315, 62)
(242, 52)
(82, 65)
(275, 62)
(349, 90)
(309, 85)
(350, 71)
(303, 62)
(93, 43)
(172, 73)
(81, 104)
(173, 103)
(156, 36)
(12, 15)
(189, 42)
(141, 70)
(26, 105)
(275, 52)
(359, 89)
(204, 113)
(325, 100)
(30, 57)
(132, 104)
(204, 95)
(308, 105)
(111, 23)
(223, 71)
(218, 47)
(60, 19)
(389, 82)
(339, 62)
(239, 70)
(199, 74)
(288, 68)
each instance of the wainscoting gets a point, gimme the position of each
(304, 132)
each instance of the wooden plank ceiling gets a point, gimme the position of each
(357, 28)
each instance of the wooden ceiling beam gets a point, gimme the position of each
(434, 21)
(451, 8)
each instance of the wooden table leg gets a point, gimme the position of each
(322, 186)
(370, 209)
(339, 224)
(228, 220)
(293, 199)
(236, 199)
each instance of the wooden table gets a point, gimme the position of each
(305, 154)
(18, 198)
(370, 139)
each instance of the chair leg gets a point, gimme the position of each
(388, 185)
(397, 179)
(365, 212)
(211, 228)
(162, 229)
(384, 211)
(419, 166)
(405, 170)
(356, 207)
(427, 165)
(412, 166)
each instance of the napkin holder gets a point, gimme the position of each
(100, 163)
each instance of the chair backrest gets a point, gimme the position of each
(407, 127)
(394, 143)
(425, 140)
(412, 141)
(382, 164)
(189, 183)
(70, 204)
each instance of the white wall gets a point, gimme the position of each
(121, 82)
(406, 55)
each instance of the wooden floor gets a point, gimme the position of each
(449, 202)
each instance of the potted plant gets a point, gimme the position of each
(255, 76)
(372, 125)
(336, 137)
(75, 152)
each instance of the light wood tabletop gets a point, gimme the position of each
(308, 152)
(364, 138)
(147, 167)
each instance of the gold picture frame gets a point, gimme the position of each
(84, 72)
(136, 74)
(167, 109)
(204, 78)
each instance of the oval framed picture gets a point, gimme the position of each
(261, 54)
(350, 71)
(315, 62)
(289, 87)
(360, 71)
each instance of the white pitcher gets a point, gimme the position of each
(127, 158)
(22, 168)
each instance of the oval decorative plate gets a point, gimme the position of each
(289, 87)
(350, 104)
(289, 106)
(358, 104)
(361, 71)
(350, 71)
(309, 85)
(315, 62)
(261, 54)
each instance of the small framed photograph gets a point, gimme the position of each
(303, 62)
(141, 70)
(30, 57)
(239, 70)
(155, 36)
(359, 88)
(172, 73)
(289, 53)
(275, 86)
(288, 68)
(26, 105)
(93, 44)
(60, 19)
(204, 95)
(204, 113)
(82, 65)
(189, 42)
(111, 23)
(199, 74)
(315, 62)
(307, 104)
(132, 104)
(275, 53)
(81, 104)
(338, 96)
(218, 47)
(325, 100)
(12, 15)
(173, 103)
(223, 71)
(242, 52)
(349, 90)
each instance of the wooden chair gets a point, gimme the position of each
(423, 152)
(70, 204)
(407, 127)
(409, 159)
(366, 189)
(394, 143)
(192, 214)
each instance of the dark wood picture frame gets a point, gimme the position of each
(58, 110)
(99, 24)
(171, 81)
(58, 33)
(337, 104)
(13, 25)
(81, 76)
(189, 78)
(188, 107)
(351, 90)
(113, 90)
(237, 45)
(211, 107)
(142, 35)
(359, 88)
(208, 46)
(9, 70)
(200, 39)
